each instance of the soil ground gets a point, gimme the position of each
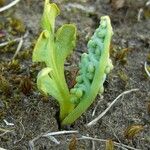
(25, 113)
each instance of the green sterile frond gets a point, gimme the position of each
(46, 84)
(51, 11)
(42, 49)
(53, 48)
(64, 43)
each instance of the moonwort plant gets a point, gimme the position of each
(54, 47)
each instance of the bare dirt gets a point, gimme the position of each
(31, 114)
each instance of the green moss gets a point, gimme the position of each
(2, 2)
(17, 25)
(14, 65)
(4, 85)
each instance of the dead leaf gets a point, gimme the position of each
(121, 55)
(73, 143)
(132, 130)
(71, 74)
(109, 145)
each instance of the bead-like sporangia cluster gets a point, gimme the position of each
(90, 62)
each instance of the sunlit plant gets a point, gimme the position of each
(52, 48)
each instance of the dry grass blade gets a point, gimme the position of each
(23, 132)
(59, 133)
(146, 70)
(148, 3)
(5, 131)
(2, 148)
(94, 121)
(9, 5)
(139, 14)
(132, 130)
(9, 42)
(109, 145)
(50, 136)
(53, 139)
(18, 48)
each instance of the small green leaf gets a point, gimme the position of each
(51, 11)
(41, 52)
(46, 84)
(65, 42)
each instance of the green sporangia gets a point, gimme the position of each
(53, 48)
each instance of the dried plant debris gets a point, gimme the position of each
(123, 76)
(26, 85)
(147, 67)
(109, 145)
(2, 2)
(120, 54)
(73, 143)
(117, 4)
(132, 131)
(148, 58)
(8, 6)
(148, 108)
